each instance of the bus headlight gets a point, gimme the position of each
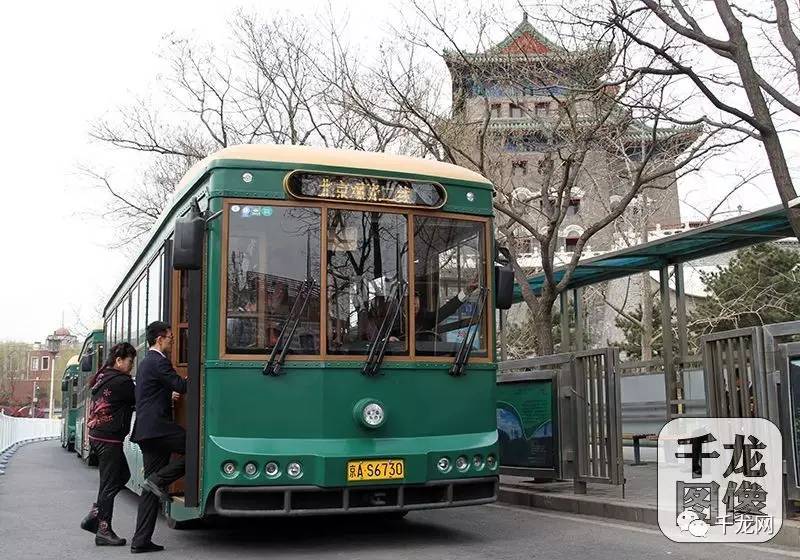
(491, 462)
(250, 469)
(370, 413)
(272, 469)
(373, 415)
(462, 463)
(229, 468)
(477, 462)
(443, 464)
(294, 470)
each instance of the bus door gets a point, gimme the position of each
(185, 320)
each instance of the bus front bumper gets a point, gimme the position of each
(265, 501)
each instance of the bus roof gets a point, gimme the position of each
(331, 157)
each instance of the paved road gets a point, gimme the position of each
(46, 491)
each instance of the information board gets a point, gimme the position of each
(526, 422)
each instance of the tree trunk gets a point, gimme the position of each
(544, 329)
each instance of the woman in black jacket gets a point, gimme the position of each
(109, 422)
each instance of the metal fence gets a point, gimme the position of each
(15, 430)
(588, 431)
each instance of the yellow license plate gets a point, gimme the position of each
(375, 469)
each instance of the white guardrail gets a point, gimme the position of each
(15, 430)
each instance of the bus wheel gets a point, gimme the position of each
(71, 446)
(187, 525)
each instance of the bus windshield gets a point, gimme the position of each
(367, 254)
(272, 250)
(449, 267)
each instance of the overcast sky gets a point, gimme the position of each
(65, 64)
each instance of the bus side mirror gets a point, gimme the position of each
(503, 286)
(187, 248)
(86, 362)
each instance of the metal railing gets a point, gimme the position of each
(16, 430)
(588, 430)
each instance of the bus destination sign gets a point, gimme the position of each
(376, 190)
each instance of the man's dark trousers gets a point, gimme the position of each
(161, 471)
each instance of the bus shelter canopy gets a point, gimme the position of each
(764, 225)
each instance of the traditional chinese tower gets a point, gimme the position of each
(520, 84)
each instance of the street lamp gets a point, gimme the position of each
(53, 345)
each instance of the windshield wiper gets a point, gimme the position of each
(275, 361)
(378, 347)
(462, 356)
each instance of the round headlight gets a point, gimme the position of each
(491, 462)
(462, 463)
(247, 177)
(229, 468)
(373, 414)
(250, 469)
(295, 470)
(443, 464)
(477, 462)
(370, 413)
(272, 469)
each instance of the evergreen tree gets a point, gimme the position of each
(760, 285)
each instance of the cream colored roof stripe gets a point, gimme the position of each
(309, 155)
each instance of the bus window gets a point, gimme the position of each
(366, 266)
(272, 250)
(450, 263)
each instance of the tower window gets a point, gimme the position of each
(570, 243)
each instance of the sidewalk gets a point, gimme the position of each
(637, 504)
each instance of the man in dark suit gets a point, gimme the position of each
(156, 432)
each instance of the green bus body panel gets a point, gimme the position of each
(68, 414)
(307, 415)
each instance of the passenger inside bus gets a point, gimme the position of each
(426, 322)
(449, 264)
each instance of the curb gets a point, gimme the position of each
(9, 451)
(610, 508)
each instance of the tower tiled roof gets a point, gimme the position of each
(525, 40)
(524, 44)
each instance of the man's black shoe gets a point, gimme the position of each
(89, 522)
(150, 486)
(149, 547)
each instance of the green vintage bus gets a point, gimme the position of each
(333, 312)
(69, 404)
(89, 361)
